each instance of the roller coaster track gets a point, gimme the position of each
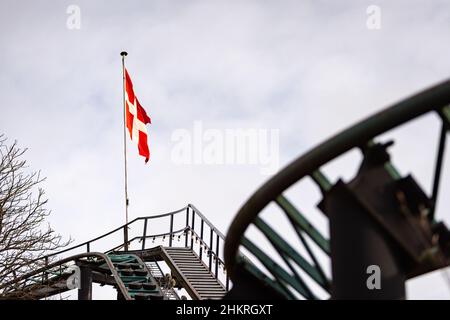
(378, 209)
(194, 262)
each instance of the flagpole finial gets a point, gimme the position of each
(124, 53)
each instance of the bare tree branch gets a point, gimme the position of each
(24, 234)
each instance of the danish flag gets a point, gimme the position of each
(136, 119)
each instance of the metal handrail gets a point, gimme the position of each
(432, 99)
(140, 238)
(87, 243)
(206, 221)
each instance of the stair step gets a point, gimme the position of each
(187, 267)
(176, 252)
(181, 252)
(212, 294)
(209, 285)
(209, 289)
(202, 280)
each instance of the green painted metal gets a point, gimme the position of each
(321, 180)
(437, 170)
(445, 115)
(278, 272)
(296, 275)
(283, 247)
(310, 253)
(303, 223)
(127, 280)
(393, 172)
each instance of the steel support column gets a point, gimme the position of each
(85, 292)
(358, 242)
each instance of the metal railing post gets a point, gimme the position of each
(125, 238)
(187, 228)
(171, 230)
(144, 234)
(193, 224)
(210, 248)
(217, 255)
(201, 238)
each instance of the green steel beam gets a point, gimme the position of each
(445, 115)
(298, 277)
(392, 170)
(310, 253)
(282, 246)
(273, 267)
(321, 180)
(437, 170)
(303, 223)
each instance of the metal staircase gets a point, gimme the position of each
(194, 274)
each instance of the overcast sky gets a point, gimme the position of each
(306, 68)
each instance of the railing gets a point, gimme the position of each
(198, 232)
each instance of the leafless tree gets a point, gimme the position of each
(25, 236)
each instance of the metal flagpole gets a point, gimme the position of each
(124, 54)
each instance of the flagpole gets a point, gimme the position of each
(124, 54)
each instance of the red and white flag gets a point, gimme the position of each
(136, 119)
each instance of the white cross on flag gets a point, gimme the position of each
(136, 119)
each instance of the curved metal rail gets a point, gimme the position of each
(61, 262)
(360, 135)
